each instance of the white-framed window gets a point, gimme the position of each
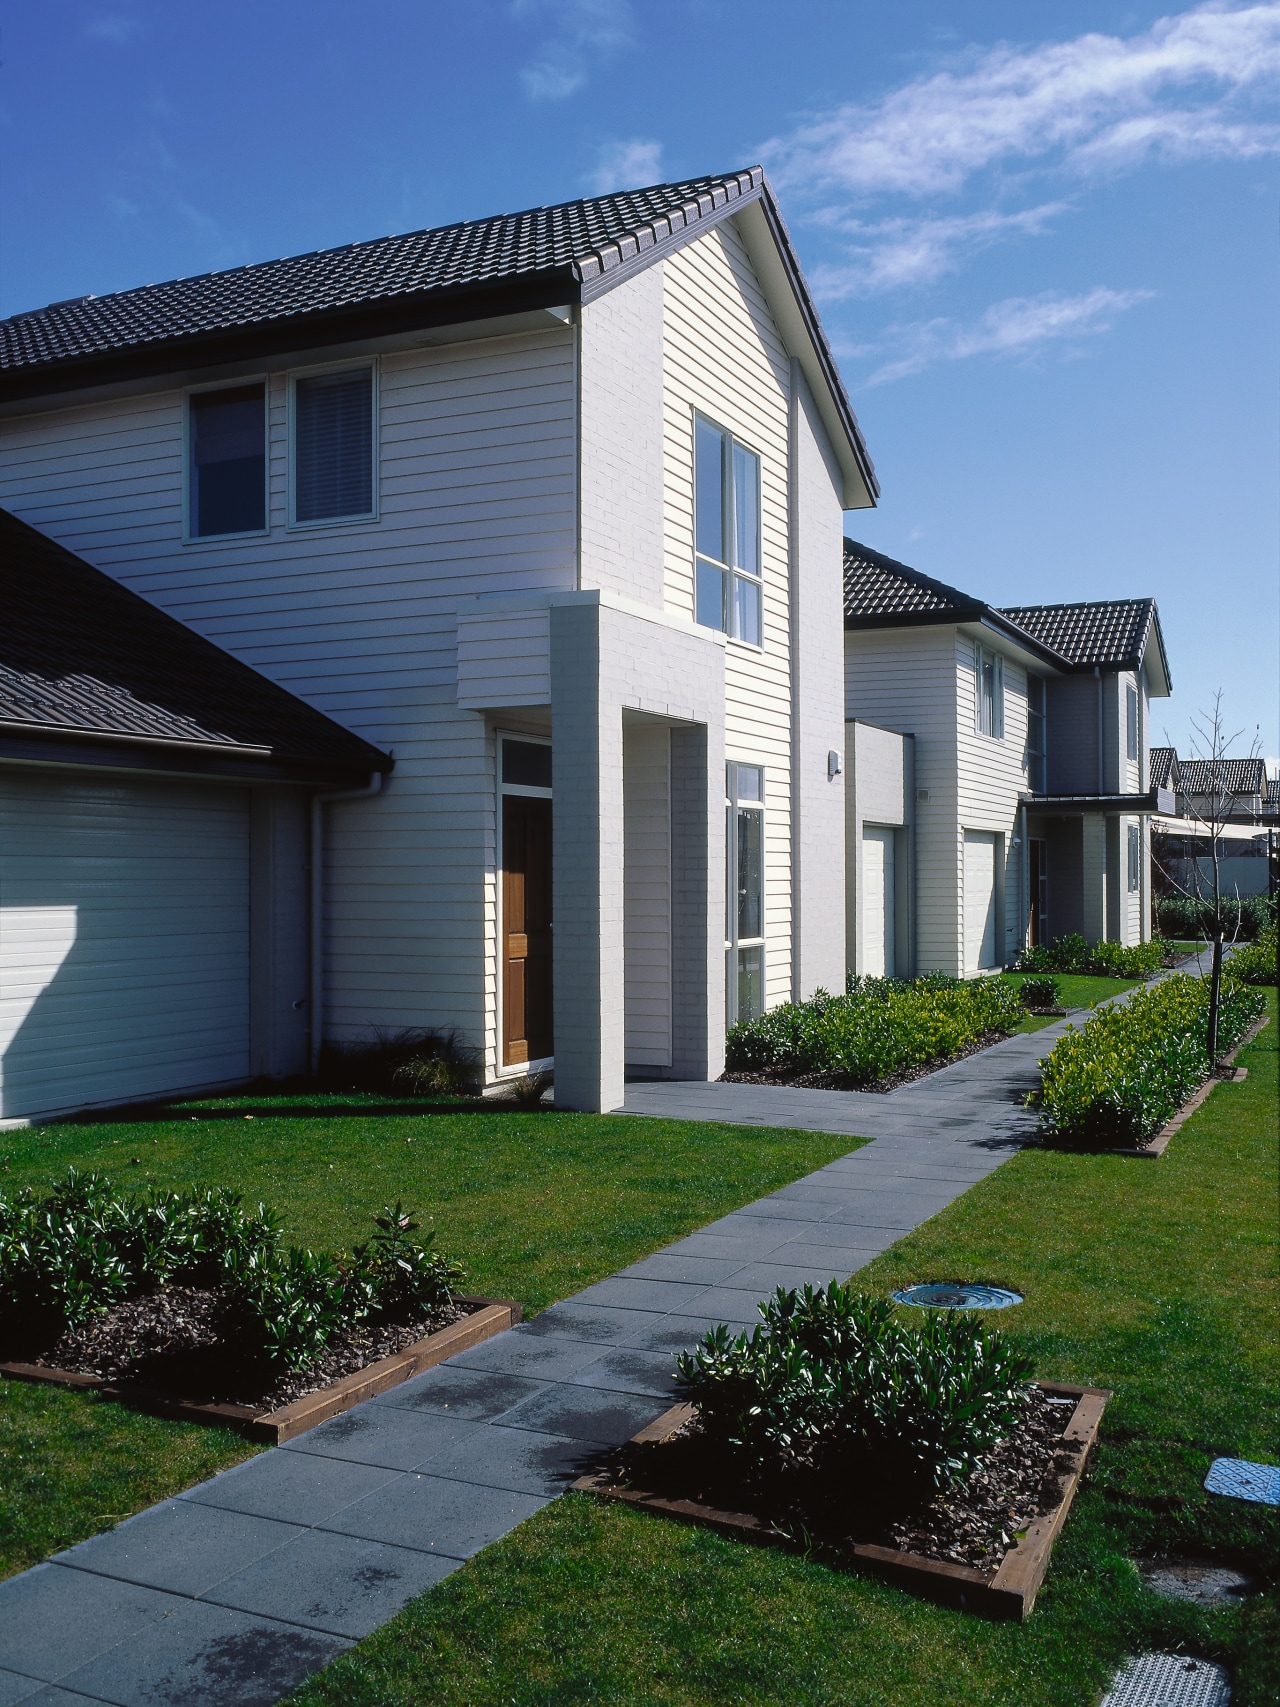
(226, 460)
(728, 592)
(1135, 859)
(333, 445)
(744, 891)
(1037, 736)
(990, 673)
(1131, 722)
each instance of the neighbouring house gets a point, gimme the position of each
(548, 508)
(999, 786)
(1236, 796)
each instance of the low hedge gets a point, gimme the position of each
(1185, 916)
(1131, 1067)
(1256, 962)
(878, 1027)
(1100, 959)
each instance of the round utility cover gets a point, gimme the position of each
(957, 1295)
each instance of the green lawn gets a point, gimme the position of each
(537, 1205)
(1076, 990)
(1158, 1279)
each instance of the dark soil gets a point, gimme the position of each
(974, 1525)
(837, 1081)
(166, 1341)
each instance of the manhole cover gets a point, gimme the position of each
(957, 1295)
(1168, 1680)
(1238, 1479)
(1198, 1580)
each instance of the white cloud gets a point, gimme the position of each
(626, 166)
(1018, 326)
(1180, 90)
(582, 31)
(891, 254)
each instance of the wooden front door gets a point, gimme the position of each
(527, 1033)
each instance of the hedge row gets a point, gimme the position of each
(1131, 1067)
(1100, 959)
(1256, 962)
(1184, 916)
(878, 1027)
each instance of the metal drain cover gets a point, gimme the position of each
(1238, 1479)
(1168, 1680)
(957, 1295)
(1200, 1581)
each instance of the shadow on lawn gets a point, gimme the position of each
(298, 1105)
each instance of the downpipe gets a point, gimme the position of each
(315, 1030)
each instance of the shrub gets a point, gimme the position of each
(1040, 992)
(878, 1027)
(282, 1310)
(1187, 916)
(835, 1382)
(1130, 1067)
(396, 1276)
(417, 1063)
(1073, 954)
(1256, 962)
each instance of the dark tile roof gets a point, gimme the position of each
(1110, 633)
(1273, 791)
(80, 655)
(879, 589)
(1229, 776)
(1164, 767)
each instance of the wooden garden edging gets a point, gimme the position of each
(1009, 1593)
(492, 1316)
(1156, 1147)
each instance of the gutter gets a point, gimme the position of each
(315, 1011)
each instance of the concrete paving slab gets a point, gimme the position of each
(697, 1270)
(15, 1688)
(730, 1304)
(745, 1247)
(436, 1515)
(53, 1619)
(179, 1546)
(604, 1325)
(46, 1695)
(470, 1395)
(335, 1583)
(584, 1413)
(517, 1459)
(762, 1279)
(627, 1370)
(383, 1435)
(288, 1486)
(838, 1260)
(538, 1357)
(616, 1293)
(206, 1656)
(673, 1333)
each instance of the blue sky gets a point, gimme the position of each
(1043, 238)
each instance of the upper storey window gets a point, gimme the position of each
(1037, 736)
(1131, 723)
(333, 449)
(990, 669)
(227, 475)
(728, 592)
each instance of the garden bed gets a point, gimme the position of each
(985, 1547)
(159, 1354)
(842, 1081)
(1157, 1146)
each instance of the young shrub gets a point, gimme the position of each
(396, 1276)
(834, 1384)
(420, 1062)
(1256, 962)
(1040, 992)
(1130, 1067)
(58, 1265)
(283, 1312)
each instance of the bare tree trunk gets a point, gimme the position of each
(1215, 994)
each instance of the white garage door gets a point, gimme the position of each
(124, 940)
(979, 901)
(877, 903)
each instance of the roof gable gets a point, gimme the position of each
(1107, 634)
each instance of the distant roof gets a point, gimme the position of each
(1226, 776)
(1273, 792)
(1164, 767)
(506, 263)
(84, 659)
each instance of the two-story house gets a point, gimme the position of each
(999, 788)
(546, 509)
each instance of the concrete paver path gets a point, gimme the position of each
(232, 1593)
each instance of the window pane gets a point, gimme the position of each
(987, 692)
(750, 874)
(333, 446)
(527, 764)
(747, 624)
(750, 983)
(750, 782)
(709, 492)
(228, 461)
(709, 609)
(746, 510)
(1131, 709)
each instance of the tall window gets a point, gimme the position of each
(727, 534)
(1135, 859)
(1131, 722)
(227, 477)
(1037, 736)
(744, 922)
(333, 446)
(990, 668)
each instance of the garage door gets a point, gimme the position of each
(979, 901)
(124, 940)
(877, 903)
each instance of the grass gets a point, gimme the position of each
(538, 1205)
(1076, 989)
(1158, 1280)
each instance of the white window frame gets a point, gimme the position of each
(981, 656)
(516, 1069)
(728, 510)
(367, 363)
(1135, 859)
(733, 943)
(188, 507)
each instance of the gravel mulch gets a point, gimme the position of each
(165, 1340)
(835, 1081)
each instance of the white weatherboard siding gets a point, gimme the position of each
(477, 465)
(990, 774)
(878, 902)
(722, 355)
(980, 850)
(124, 939)
(646, 749)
